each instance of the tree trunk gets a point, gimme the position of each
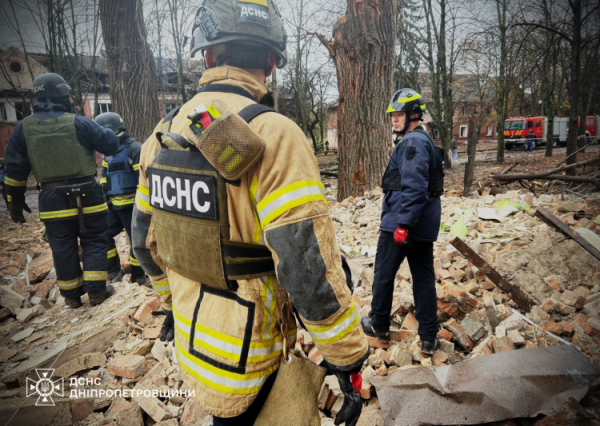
(131, 67)
(502, 90)
(363, 51)
(574, 83)
(471, 153)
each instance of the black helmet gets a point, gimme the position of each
(111, 120)
(51, 86)
(407, 100)
(244, 22)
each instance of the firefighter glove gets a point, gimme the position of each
(167, 332)
(352, 406)
(16, 209)
(400, 235)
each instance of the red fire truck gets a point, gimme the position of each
(516, 128)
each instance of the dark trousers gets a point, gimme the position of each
(248, 417)
(118, 220)
(387, 262)
(63, 236)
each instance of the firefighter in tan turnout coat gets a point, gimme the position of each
(231, 222)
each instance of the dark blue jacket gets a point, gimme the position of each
(89, 134)
(412, 207)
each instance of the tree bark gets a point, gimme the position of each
(471, 153)
(131, 67)
(574, 82)
(363, 52)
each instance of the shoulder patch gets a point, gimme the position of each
(411, 151)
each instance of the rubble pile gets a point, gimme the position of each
(116, 346)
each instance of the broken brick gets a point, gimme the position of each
(570, 298)
(128, 366)
(459, 335)
(374, 342)
(144, 312)
(502, 345)
(445, 334)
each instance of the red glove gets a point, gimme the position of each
(400, 235)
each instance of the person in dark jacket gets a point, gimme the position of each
(530, 141)
(120, 175)
(410, 221)
(58, 147)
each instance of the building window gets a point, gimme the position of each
(489, 130)
(23, 110)
(464, 110)
(15, 67)
(538, 123)
(463, 131)
(104, 107)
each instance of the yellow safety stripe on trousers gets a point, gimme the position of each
(95, 275)
(334, 332)
(103, 180)
(60, 214)
(71, 284)
(9, 198)
(111, 253)
(122, 200)
(105, 164)
(221, 380)
(143, 197)
(136, 167)
(161, 287)
(133, 261)
(284, 199)
(15, 183)
(225, 346)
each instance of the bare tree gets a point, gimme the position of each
(363, 52)
(132, 69)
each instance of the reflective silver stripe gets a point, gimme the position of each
(287, 198)
(162, 287)
(218, 379)
(334, 331)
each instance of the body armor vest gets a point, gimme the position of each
(392, 179)
(190, 214)
(121, 179)
(54, 150)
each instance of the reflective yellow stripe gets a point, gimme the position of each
(285, 199)
(410, 99)
(423, 107)
(161, 287)
(133, 261)
(9, 198)
(111, 253)
(122, 200)
(257, 229)
(143, 198)
(136, 167)
(95, 275)
(105, 164)
(221, 380)
(16, 183)
(334, 332)
(71, 284)
(103, 180)
(60, 214)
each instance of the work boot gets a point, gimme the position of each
(383, 336)
(73, 302)
(98, 297)
(143, 280)
(429, 346)
(116, 276)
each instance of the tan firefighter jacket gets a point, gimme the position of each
(228, 343)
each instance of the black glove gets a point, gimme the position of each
(352, 407)
(26, 208)
(16, 207)
(167, 332)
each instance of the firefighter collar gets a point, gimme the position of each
(235, 77)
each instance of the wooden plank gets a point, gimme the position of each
(521, 298)
(562, 227)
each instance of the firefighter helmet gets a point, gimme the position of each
(111, 120)
(241, 22)
(407, 100)
(51, 86)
